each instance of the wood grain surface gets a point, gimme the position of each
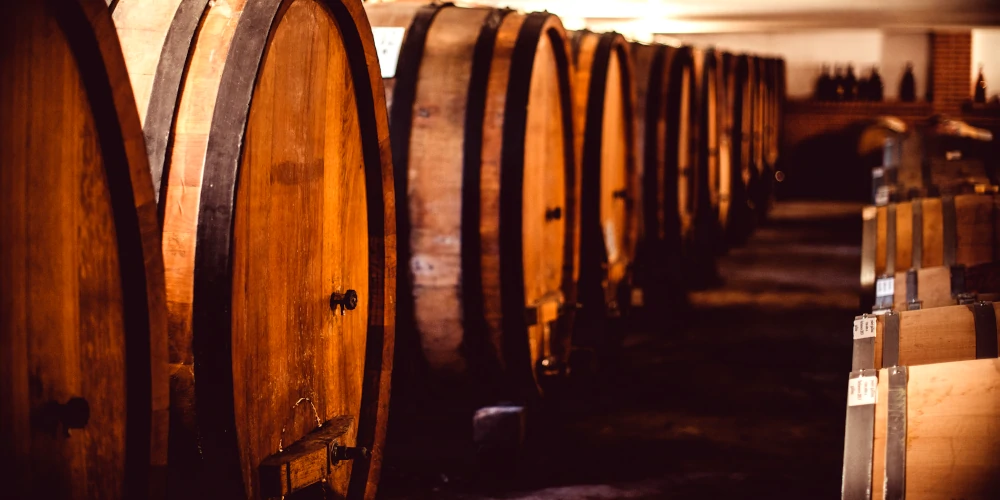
(952, 446)
(81, 275)
(937, 335)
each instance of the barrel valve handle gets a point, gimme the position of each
(346, 301)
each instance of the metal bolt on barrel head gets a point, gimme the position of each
(346, 301)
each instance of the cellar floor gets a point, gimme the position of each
(741, 396)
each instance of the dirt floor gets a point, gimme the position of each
(741, 396)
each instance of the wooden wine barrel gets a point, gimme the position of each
(482, 127)
(740, 220)
(279, 240)
(609, 217)
(942, 286)
(682, 141)
(762, 177)
(83, 350)
(925, 336)
(659, 269)
(716, 187)
(929, 232)
(929, 432)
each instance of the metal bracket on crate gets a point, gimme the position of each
(948, 229)
(859, 443)
(912, 290)
(890, 239)
(917, 232)
(985, 319)
(895, 438)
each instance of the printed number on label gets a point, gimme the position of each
(865, 327)
(882, 195)
(885, 287)
(862, 391)
(388, 41)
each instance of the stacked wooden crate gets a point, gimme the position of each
(924, 390)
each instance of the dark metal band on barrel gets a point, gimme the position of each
(949, 229)
(859, 443)
(161, 112)
(895, 436)
(917, 247)
(985, 320)
(912, 290)
(86, 48)
(890, 239)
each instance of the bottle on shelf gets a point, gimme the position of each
(908, 85)
(875, 88)
(980, 95)
(838, 84)
(850, 84)
(822, 91)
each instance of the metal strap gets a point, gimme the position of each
(918, 233)
(890, 340)
(890, 239)
(957, 280)
(985, 319)
(911, 287)
(863, 357)
(948, 232)
(895, 438)
(859, 442)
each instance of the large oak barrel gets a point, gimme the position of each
(482, 129)
(279, 238)
(83, 348)
(761, 180)
(713, 139)
(608, 214)
(741, 218)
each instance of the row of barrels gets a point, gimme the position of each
(924, 391)
(216, 213)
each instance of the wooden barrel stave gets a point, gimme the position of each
(277, 194)
(489, 181)
(81, 268)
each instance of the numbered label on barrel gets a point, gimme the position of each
(862, 391)
(864, 327)
(885, 287)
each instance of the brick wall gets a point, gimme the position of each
(951, 63)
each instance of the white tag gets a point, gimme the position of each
(877, 172)
(865, 327)
(881, 312)
(882, 195)
(637, 298)
(885, 287)
(862, 391)
(388, 41)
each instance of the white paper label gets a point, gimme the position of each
(882, 195)
(637, 298)
(388, 41)
(862, 391)
(865, 327)
(885, 287)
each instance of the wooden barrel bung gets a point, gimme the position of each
(483, 135)
(279, 240)
(83, 350)
(608, 214)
